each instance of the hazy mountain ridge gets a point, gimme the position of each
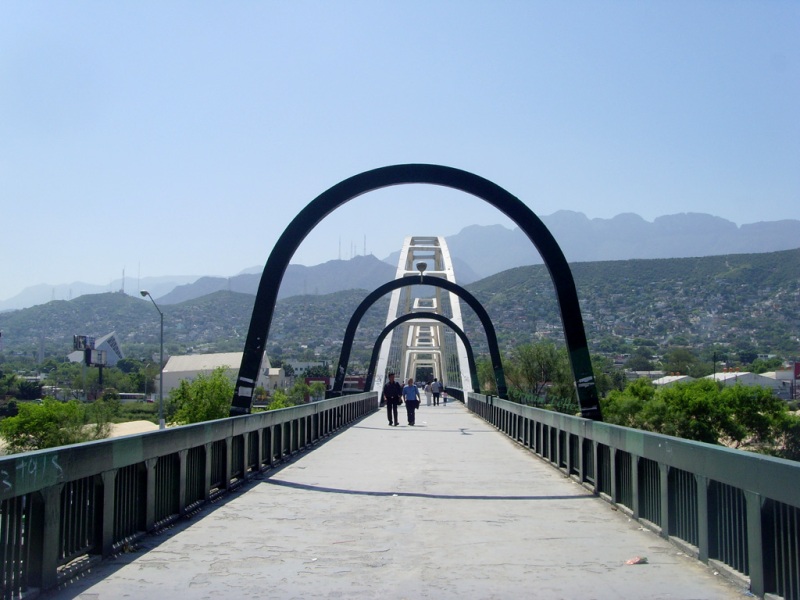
(360, 272)
(624, 237)
(479, 251)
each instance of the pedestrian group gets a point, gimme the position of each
(394, 395)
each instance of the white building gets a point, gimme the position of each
(667, 380)
(729, 378)
(277, 379)
(787, 381)
(188, 367)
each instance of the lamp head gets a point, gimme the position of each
(144, 293)
(421, 266)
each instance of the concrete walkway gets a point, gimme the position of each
(446, 509)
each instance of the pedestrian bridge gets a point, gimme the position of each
(483, 499)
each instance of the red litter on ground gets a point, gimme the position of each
(636, 560)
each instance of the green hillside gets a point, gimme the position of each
(750, 300)
(737, 299)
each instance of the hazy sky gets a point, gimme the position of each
(181, 138)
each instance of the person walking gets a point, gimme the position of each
(436, 389)
(427, 394)
(411, 396)
(392, 397)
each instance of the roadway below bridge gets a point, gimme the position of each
(446, 509)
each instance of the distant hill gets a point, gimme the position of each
(742, 300)
(39, 294)
(360, 272)
(745, 300)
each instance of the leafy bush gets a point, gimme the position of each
(739, 416)
(51, 423)
(206, 398)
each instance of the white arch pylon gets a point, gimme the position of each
(423, 337)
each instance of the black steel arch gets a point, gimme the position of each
(344, 191)
(472, 301)
(422, 315)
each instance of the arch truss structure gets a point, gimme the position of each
(344, 191)
(424, 350)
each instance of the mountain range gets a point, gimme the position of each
(479, 251)
(731, 303)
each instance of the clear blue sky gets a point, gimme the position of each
(180, 138)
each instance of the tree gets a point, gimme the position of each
(49, 424)
(788, 443)
(755, 417)
(29, 390)
(640, 360)
(206, 398)
(533, 366)
(299, 392)
(8, 384)
(317, 390)
(738, 416)
(626, 407)
(279, 400)
(761, 365)
(679, 360)
(318, 371)
(486, 376)
(692, 411)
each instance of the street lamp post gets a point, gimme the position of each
(146, 294)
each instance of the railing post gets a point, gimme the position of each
(635, 485)
(663, 474)
(597, 469)
(702, 518)
(182, 458)
(150, 494)
(109, 479)
(269, 447)
(753, 503)
(245, 455)
(228, 462)
(612, 468)
(46, 538)
(207, 474)
(257, 451)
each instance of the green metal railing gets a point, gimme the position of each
(63, 508)
(738, 509)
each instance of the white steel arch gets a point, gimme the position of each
(425, 346)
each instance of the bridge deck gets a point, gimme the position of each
(445, 509)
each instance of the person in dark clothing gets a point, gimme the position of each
(392, 393)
